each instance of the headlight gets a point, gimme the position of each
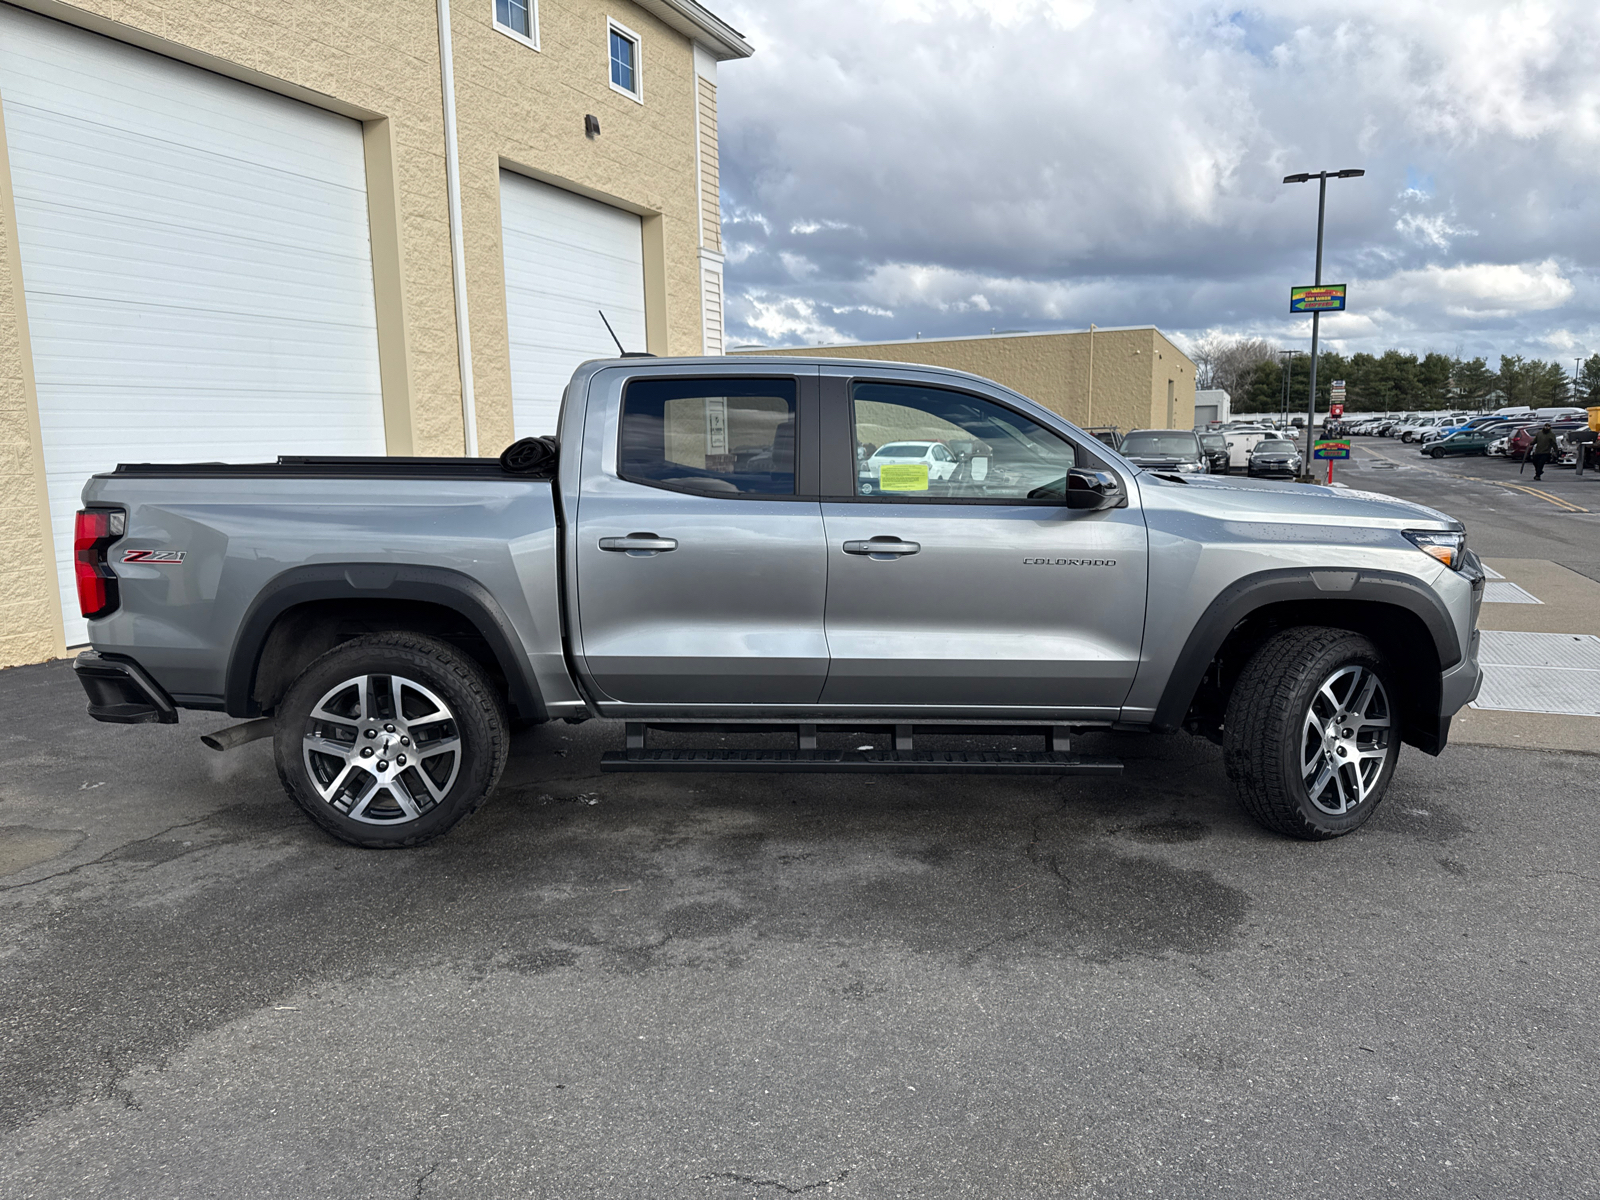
(1190, 468)
(1448, 548)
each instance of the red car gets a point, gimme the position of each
(1522, 439)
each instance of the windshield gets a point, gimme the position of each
(903, 450)
(1160, 445)
(1213, 441)
(1274, 446)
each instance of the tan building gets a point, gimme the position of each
(1131, 378)
(234, 231)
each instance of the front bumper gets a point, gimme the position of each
(121, 691)
(1272, 471)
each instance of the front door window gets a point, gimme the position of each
(925, 443)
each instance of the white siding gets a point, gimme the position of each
(568, 258)
(196, 265)
(711, 298)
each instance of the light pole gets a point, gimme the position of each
(1322, 178)
(1288, 357)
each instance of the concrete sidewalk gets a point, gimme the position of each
(1568, 603)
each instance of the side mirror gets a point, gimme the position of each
(1084, 489)
(1094, 490)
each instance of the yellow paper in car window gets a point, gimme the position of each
(903, 477)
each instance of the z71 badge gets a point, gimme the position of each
(159, 558)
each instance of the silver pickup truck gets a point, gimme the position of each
(791, 546)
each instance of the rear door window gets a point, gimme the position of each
(717, 437)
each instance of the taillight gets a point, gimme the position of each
(95, 530)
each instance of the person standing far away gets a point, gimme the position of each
(1544, 448)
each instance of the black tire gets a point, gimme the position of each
(1270, 747)
(1436, 453)
(449, 707)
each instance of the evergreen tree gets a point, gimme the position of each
(1549, 384)
(1433, 376)
(1473, 382)
(1589, 382)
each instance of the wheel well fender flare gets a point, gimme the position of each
(440, 586)
(1323, 586)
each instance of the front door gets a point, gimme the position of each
(965, 592)
(701, 567)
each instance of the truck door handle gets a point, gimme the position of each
(888, 547)
(639, 543)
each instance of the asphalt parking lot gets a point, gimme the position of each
(731, 987)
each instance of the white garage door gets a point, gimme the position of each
(195, 260)
(568, 258)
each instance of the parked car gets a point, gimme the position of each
(936, 456)
(1109, 434)
(1242, 439)
(1463, 441)
(1521, 441)
(1217, 453)
(1165, 450)
(386, 620)
(1421, 425)
(1274, 458)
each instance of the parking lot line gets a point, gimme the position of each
(1536, 493)
(1540, 493)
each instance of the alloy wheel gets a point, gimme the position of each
(1345, 739)
(381, 749)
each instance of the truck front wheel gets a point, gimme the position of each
(1310, 736)
(390, 738)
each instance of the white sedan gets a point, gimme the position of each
(941, 463)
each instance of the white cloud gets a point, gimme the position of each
(818, 226)
(952, 165)
(1475, 289)
(784, 320)
(798, 265)
(1436, 231)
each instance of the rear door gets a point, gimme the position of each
(700, 563)
(963, 592)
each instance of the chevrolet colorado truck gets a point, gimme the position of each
(716, 545)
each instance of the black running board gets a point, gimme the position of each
(862, 762)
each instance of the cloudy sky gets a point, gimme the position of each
(942, 167)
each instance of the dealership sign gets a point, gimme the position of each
(1331, 449)
(1324, 297)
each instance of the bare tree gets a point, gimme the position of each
(1228, 362)
(1205, 351)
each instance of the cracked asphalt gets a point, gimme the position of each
(724, 986)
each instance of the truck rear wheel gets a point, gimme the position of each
(1310, 736)
(390, 738)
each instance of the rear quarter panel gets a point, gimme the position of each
(238, 534)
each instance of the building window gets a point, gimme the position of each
(625, 61)
(518, 19)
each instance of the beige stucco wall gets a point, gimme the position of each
(378, 62)
(524, 109)
(30, 616)
(1131, 371)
